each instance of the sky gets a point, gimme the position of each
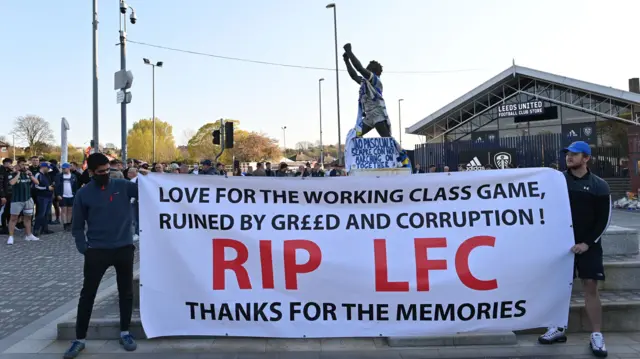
(444, 48)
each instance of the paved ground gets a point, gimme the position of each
(37, 277)
(299, 355)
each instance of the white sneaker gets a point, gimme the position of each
(553, 335)
(10, 241)
(597, 345)
(31, 238)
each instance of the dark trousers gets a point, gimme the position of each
(6, 215)
(96, 263)
(43, 209)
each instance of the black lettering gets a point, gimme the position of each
(275, 310)
(349, 307)
(192, 309)
(406, 312)
(520, 309)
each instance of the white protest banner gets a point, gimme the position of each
(355, 256)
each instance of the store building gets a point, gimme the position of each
(524, 117)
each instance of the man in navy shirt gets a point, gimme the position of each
(104, 207)
(590, 202)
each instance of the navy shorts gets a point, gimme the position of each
(66, 202)
(590, 264)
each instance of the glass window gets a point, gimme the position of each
(570, 115)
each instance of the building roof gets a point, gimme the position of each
(513, 71)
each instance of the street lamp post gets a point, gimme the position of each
(124, 78)
(96, 139)
(153, 100)
(320, 112)
(400, 121)
(335, 34)
(284, 140)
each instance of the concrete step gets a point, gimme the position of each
(620, 241)
(621, 313)
(622, 273)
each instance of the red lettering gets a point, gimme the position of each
(266, 264)
(292, 268)
(462, 263)
(382, 272)
(424, 264)
(221, 264)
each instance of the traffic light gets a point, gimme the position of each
(228, 134)
(216, 137)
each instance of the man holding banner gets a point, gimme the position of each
(590, 201)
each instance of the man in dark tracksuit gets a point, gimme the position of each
(5, 195)
(590, 201)
(44, 200)
(104, 206)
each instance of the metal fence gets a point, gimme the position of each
(531, 151)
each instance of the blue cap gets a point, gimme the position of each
(45, 164)
(206, 163)
(66, 165)
(579, 147)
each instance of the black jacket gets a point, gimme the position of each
(590, 201)
(5, 189)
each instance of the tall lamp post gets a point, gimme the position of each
(400, 120)
(284, 139)
(335, 34)
(153, 99)
(96, 138)
(320, 112)
(124, 78)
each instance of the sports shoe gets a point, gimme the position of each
(31, 238)
(128, 343)
(553, 335)
(10, 241)
(74, 350)
(597, 345)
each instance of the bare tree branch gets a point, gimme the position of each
(34, 130)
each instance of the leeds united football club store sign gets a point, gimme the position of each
(521, 109)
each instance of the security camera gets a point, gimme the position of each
(133, 17)
(123, 7)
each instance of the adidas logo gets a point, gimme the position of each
(572, 133)
(475, 165)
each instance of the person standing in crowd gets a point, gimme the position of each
(66, 186)
(317, 171)
(417, 169)
(132, 175)
(53, 174)
(35, 164)
(5, 195)
(445, 169)
(195, 169)
(75, 171)
(282, 171)
(221, 169)
(44, 200)
(268, 171)
(259, 172)
(590, 200)
(105, 243)
(207, 168)
(20, 181)
(116, 169)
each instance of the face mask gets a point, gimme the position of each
(102, 179)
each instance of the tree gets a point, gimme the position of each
(248, 146)
(304, 146)
(140, 141)
(34, 130)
